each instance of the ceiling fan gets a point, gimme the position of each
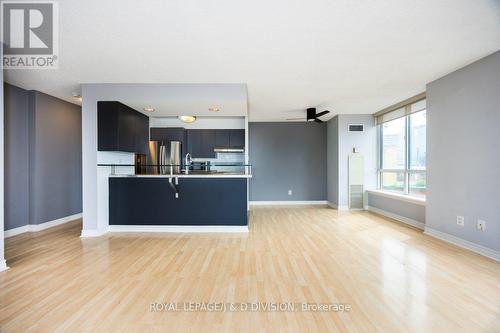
(312, 115)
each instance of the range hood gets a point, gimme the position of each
(229, 149)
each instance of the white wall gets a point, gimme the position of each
(366, 143)
(3, 264)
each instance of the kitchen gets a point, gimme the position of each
(168, 171)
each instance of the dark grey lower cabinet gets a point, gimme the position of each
(201, 201)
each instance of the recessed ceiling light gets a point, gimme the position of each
(187, 119)
(213, 109)
(77, 95)
(148, 109)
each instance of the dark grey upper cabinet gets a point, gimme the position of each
(208, 143)
(107, 126)
(126, 131)
(222, 138)
(167, 134)
(201, 143)
(194, 143)
(142, 133)
(237, 138)
(121, 128)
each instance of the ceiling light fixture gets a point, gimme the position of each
(213, 109)
(187, 119)
(148, 109)
(77, 95)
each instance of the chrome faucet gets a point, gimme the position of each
(188, 160)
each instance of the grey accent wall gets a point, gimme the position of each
(56, 159)
(332, 146)
(366, 142)
(16, 166)
(43, 158)
(463, 159)
(287, 156)
(402, 208)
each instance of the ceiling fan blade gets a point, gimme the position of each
(318, 120)
(311, 113)
(322, 113)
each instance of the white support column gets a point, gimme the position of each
(3, 264)
(89, 164)
(247, 159)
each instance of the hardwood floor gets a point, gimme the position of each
(394, 278)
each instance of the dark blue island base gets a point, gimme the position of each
(151, 201)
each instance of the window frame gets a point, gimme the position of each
(407, 171)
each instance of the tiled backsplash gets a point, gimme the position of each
(236, 158)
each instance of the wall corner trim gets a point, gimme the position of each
(332, 205)
(460, 242)
(337, 207)
(399, 218)
(41, 226)
(3, 265)
(89, 233)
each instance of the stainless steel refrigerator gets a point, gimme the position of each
(162, 156)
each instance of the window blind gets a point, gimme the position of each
(401, 109)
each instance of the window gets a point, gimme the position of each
(402, 145)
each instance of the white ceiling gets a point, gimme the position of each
(168, 99)
(348, 56)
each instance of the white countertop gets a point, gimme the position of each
(208, 175)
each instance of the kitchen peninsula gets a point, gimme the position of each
(169, 176)
(196, 199)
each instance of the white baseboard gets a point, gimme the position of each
(50, 224)
(479, 249)
(177, 228)
(403, 219)
(17, 231)
(287, 203)
(3, 265)
(41, 226)
(88, 233)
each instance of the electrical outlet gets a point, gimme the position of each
(289, 192)
(460, 220)
(481, 225)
